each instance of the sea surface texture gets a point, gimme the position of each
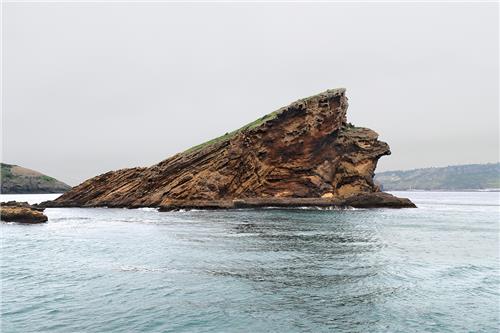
(431, 269)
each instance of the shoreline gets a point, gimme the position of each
(362, 200)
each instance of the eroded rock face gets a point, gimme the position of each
(304, 150)
(21, 212)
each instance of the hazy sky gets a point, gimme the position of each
(92, 87)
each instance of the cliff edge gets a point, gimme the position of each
(302, 154)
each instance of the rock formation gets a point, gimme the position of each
(21, 212)
(303, 154)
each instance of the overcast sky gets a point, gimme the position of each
(93, 87)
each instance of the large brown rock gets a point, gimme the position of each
(306, 150)
(21, 212)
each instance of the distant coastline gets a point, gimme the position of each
(455, 178)
(16, 179)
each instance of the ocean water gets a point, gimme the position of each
(431, 269)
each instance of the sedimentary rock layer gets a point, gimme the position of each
(305, 151)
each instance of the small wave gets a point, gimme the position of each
(189, 210)
(465, 269)
(331, 208)
(148, 209)
(127, 268)
(334, 208)
(69, 218)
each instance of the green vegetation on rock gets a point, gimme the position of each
(262, 120)
(48, 179)
(228, 136)
(18, 180)
(6, 171)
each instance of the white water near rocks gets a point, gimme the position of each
(432, 269)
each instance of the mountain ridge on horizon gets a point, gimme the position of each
(478, 176)
(16, 179)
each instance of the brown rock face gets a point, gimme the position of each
(304, 150)
(21, 212)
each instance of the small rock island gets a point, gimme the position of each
(21, 212)
(304, 154)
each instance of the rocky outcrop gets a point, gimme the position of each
(368, 200)
(21, 212)
(20, 180)
(305, 153)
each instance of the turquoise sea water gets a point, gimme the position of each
(431, 269)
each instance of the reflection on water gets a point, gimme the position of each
(434, 268)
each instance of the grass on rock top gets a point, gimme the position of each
(48, 179)
(256, 123)
(6, 173)
(249, 126)
(228, 136)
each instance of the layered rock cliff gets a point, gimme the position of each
(303, 154)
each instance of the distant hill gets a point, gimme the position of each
(18, 180)
(456, 177)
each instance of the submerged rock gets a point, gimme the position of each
(303, 154)
(21, 212)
